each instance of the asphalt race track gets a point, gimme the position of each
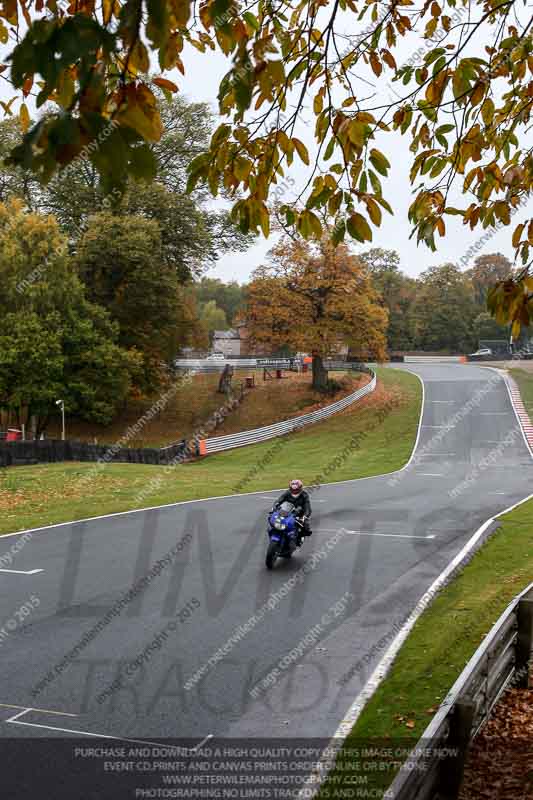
(378, 544)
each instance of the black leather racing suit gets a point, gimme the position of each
(302, 505)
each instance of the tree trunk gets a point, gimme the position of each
(320, 374)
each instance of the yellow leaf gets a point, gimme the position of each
(141, 113)
(374, 211)
(139, 59)
(356, 133)
(517, 234)
(24, 117)
(107, 10)
(358, 228)
(264, 220)
(301, 149)
(477, 95)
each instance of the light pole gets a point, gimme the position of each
(62, 404)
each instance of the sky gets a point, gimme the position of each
(201, 81)
(203, 73)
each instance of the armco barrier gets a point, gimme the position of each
(218, 443)
(434, 359)
(503, 656)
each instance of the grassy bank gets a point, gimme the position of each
(441, 643)
(196, 400)
(385, 424)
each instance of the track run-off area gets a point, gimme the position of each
(165, 623)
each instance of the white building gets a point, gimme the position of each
(227, 342)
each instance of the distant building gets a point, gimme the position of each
(235, 342)
(227, 342)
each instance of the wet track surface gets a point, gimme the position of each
(378, 544)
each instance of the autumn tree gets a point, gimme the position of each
(397, 293)
(487, 271)
(444, 310)
(315, 298)
(54, 343)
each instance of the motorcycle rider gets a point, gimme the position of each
(297, 495)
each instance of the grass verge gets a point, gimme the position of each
(440, 645)
(385, 424)
(525, 384)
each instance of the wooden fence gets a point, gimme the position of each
(504, 657)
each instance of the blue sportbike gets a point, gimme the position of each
(284, 532)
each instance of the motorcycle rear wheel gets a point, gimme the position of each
(272, 554)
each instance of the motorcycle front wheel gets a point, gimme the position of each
(272, 554)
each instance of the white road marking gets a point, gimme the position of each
(42, 710)
(326, 762)
(431, 474)
(15, 720)
(22, 571)
(199, 746)
(373, 533)
(496, 492)
(423, 455)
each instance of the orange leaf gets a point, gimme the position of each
(165, 84)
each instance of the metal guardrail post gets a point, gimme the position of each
(452, 768)
(524, 643)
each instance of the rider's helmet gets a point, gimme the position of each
(296, 487)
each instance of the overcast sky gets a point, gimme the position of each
(201, 83)
(203, 74)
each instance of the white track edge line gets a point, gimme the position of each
(317, 778)
(502, 374)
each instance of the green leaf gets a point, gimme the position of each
(329, 149)
(251, 19)
(143, 163)
(379, 162)
(339, 232)
(376, 183)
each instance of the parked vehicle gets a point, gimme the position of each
(216, 357)
(483, 351)
(283, 533)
